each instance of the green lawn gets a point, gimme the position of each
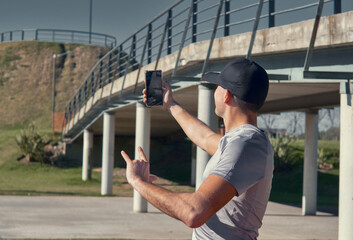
(36, 179)
(287, 187)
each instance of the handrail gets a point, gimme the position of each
(59, 35)
(161, 37)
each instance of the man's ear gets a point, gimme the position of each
(227, 96)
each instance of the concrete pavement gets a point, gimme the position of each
(112, 217)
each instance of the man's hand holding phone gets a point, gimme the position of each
(151, 97)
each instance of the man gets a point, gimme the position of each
(231, 201)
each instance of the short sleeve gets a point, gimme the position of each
(242, 163)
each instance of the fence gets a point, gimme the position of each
(58, 35)
(189, 21)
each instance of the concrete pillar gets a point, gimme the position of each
(206, 113)
(142, 139)
(345, 219)
(193, 165)
(87, 154)
(309, 200)
(108, 153)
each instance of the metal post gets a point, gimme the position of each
(120, 61)
(79, 100)
(142, 139)
(226, 17)
(22, 35)
(271, 10)
(133, 47)
(337, 6)
(87, 155)
(345, 217)
(194, 20)
(310, 164)
(313, 35)
(149, 49)
(183, 39)
(10, 36)
(53, 97)
(108, 153)
(90, 21)
(141, 61)
(109, 69)
(204, 67)
(162, 43)
(126, 69)
(92, 84)
(169, 48)
(256, 24)
(36, 35)
(206, 114)
(101, 84)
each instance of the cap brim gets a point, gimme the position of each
(212, 77)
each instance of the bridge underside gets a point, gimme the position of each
(282, 97)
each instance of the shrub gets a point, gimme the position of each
(328, 158)
(286, 155)
(31, 144)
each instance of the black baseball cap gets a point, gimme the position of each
(244, 78)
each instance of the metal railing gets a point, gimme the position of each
(185, 22)
(59, 35)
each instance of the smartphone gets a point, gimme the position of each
(153, 86)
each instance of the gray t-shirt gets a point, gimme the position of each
(245, 159)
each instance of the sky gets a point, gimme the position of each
(119, 18)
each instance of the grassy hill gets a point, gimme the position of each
(26, 74)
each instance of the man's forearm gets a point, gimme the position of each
(177, 205)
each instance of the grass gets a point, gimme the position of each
(287, 187)
(35, 179)
(17, 178)
(299, 143)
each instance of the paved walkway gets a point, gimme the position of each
(112, 217)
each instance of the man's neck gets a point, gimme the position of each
(236, 119)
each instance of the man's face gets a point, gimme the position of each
(218, 99)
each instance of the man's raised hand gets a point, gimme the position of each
(167, 95)
(138, 169)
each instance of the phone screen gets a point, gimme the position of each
(153, 86)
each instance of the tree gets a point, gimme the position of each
(294, 124)
(268, 121)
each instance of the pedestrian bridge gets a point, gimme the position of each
(309, 63)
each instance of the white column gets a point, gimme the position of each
(87, 154)
(206, 113)
(142, 139)
(309, 199)
(345, 219)
(108, 153)
(193, 164)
